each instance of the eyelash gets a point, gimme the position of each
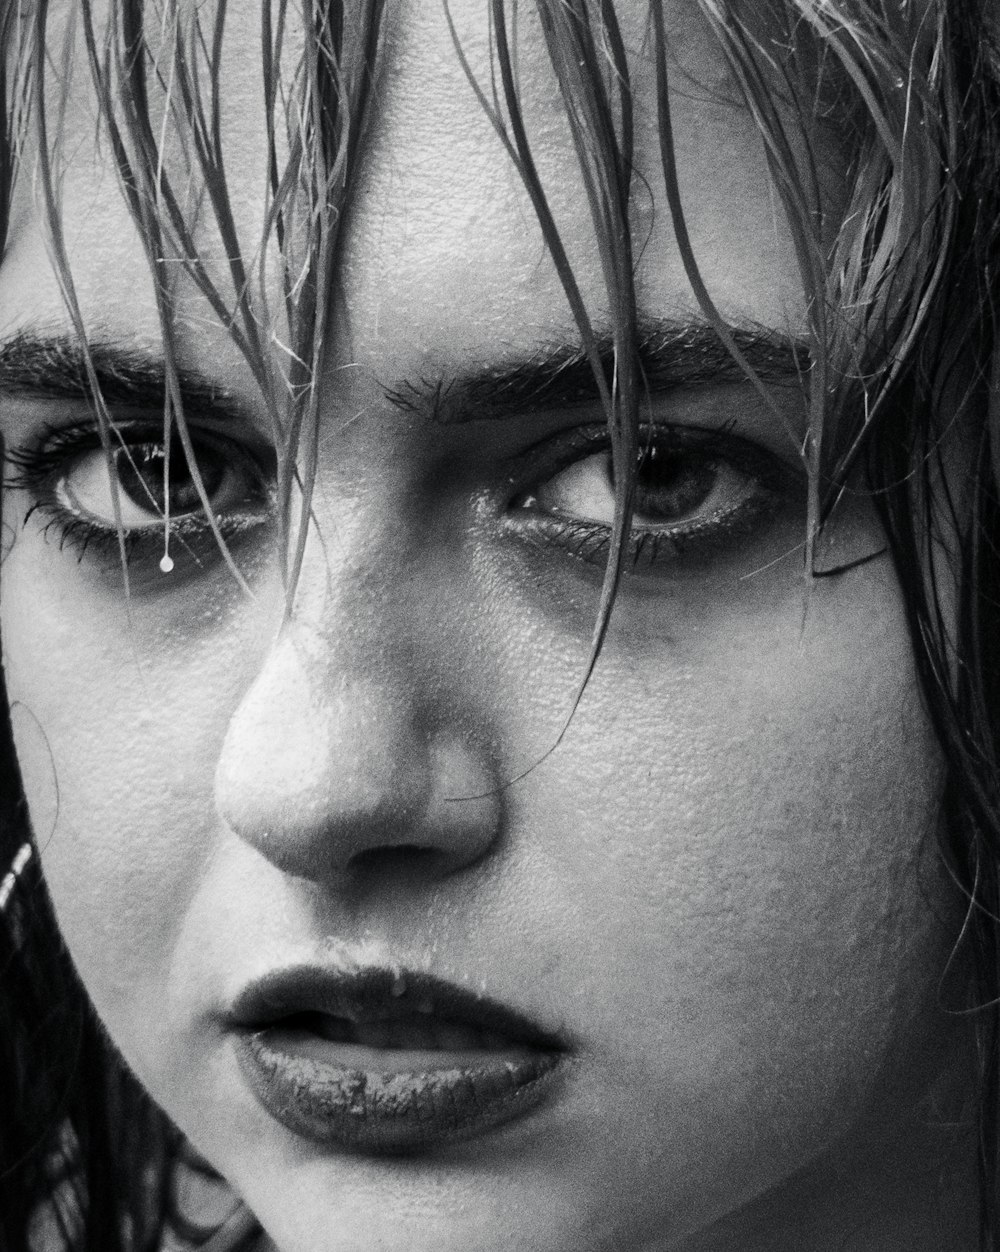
(590, 541)
(52, 452)
(41, 465)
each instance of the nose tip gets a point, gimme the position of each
(324, 775)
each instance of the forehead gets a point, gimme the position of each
(442, 250)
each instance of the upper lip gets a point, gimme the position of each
(379, 993)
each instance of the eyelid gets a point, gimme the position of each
(36, 459)
(46, 461)
(685, 546)
(548, 456)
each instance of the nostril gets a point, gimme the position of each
(326, 772)
(397, 859)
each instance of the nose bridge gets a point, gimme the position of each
(355, 605)
(352, 647)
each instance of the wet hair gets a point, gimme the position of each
(901, 100)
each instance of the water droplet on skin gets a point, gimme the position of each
(166, 564)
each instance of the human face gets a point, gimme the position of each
(708, 893)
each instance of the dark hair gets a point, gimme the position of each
(902, 360)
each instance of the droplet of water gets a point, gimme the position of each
(166, 564)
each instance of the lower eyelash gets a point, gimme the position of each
(37, 467)
(81, 535)
(86, 537)
(591, 541)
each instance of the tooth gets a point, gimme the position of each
(426, 1005)
(452, 1037)
(413, 1034)
(335, 1029)
(397, 1034)
(372, 1034)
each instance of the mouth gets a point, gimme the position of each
(388, 1063)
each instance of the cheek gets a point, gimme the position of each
(765, 857)
(117, 723)
(745, 839)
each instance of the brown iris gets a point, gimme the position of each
(140, 469)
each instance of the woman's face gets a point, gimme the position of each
(704, 891)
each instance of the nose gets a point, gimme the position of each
(328, 771)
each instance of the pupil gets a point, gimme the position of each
(671, 485)
(140, 475)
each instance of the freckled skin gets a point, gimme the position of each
(718, 886)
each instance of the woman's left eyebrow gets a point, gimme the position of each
(55, 367)
(672, 354)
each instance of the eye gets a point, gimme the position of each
(695, 491)
(74, 483)
(152, 486)
(672, 486)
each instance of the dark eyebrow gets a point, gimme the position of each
(54, 367)
(673, 354)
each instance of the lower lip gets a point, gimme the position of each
(382, 1102)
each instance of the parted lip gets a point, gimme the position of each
(304, 1037)
(380, 994)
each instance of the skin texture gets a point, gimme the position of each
(718, 886)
